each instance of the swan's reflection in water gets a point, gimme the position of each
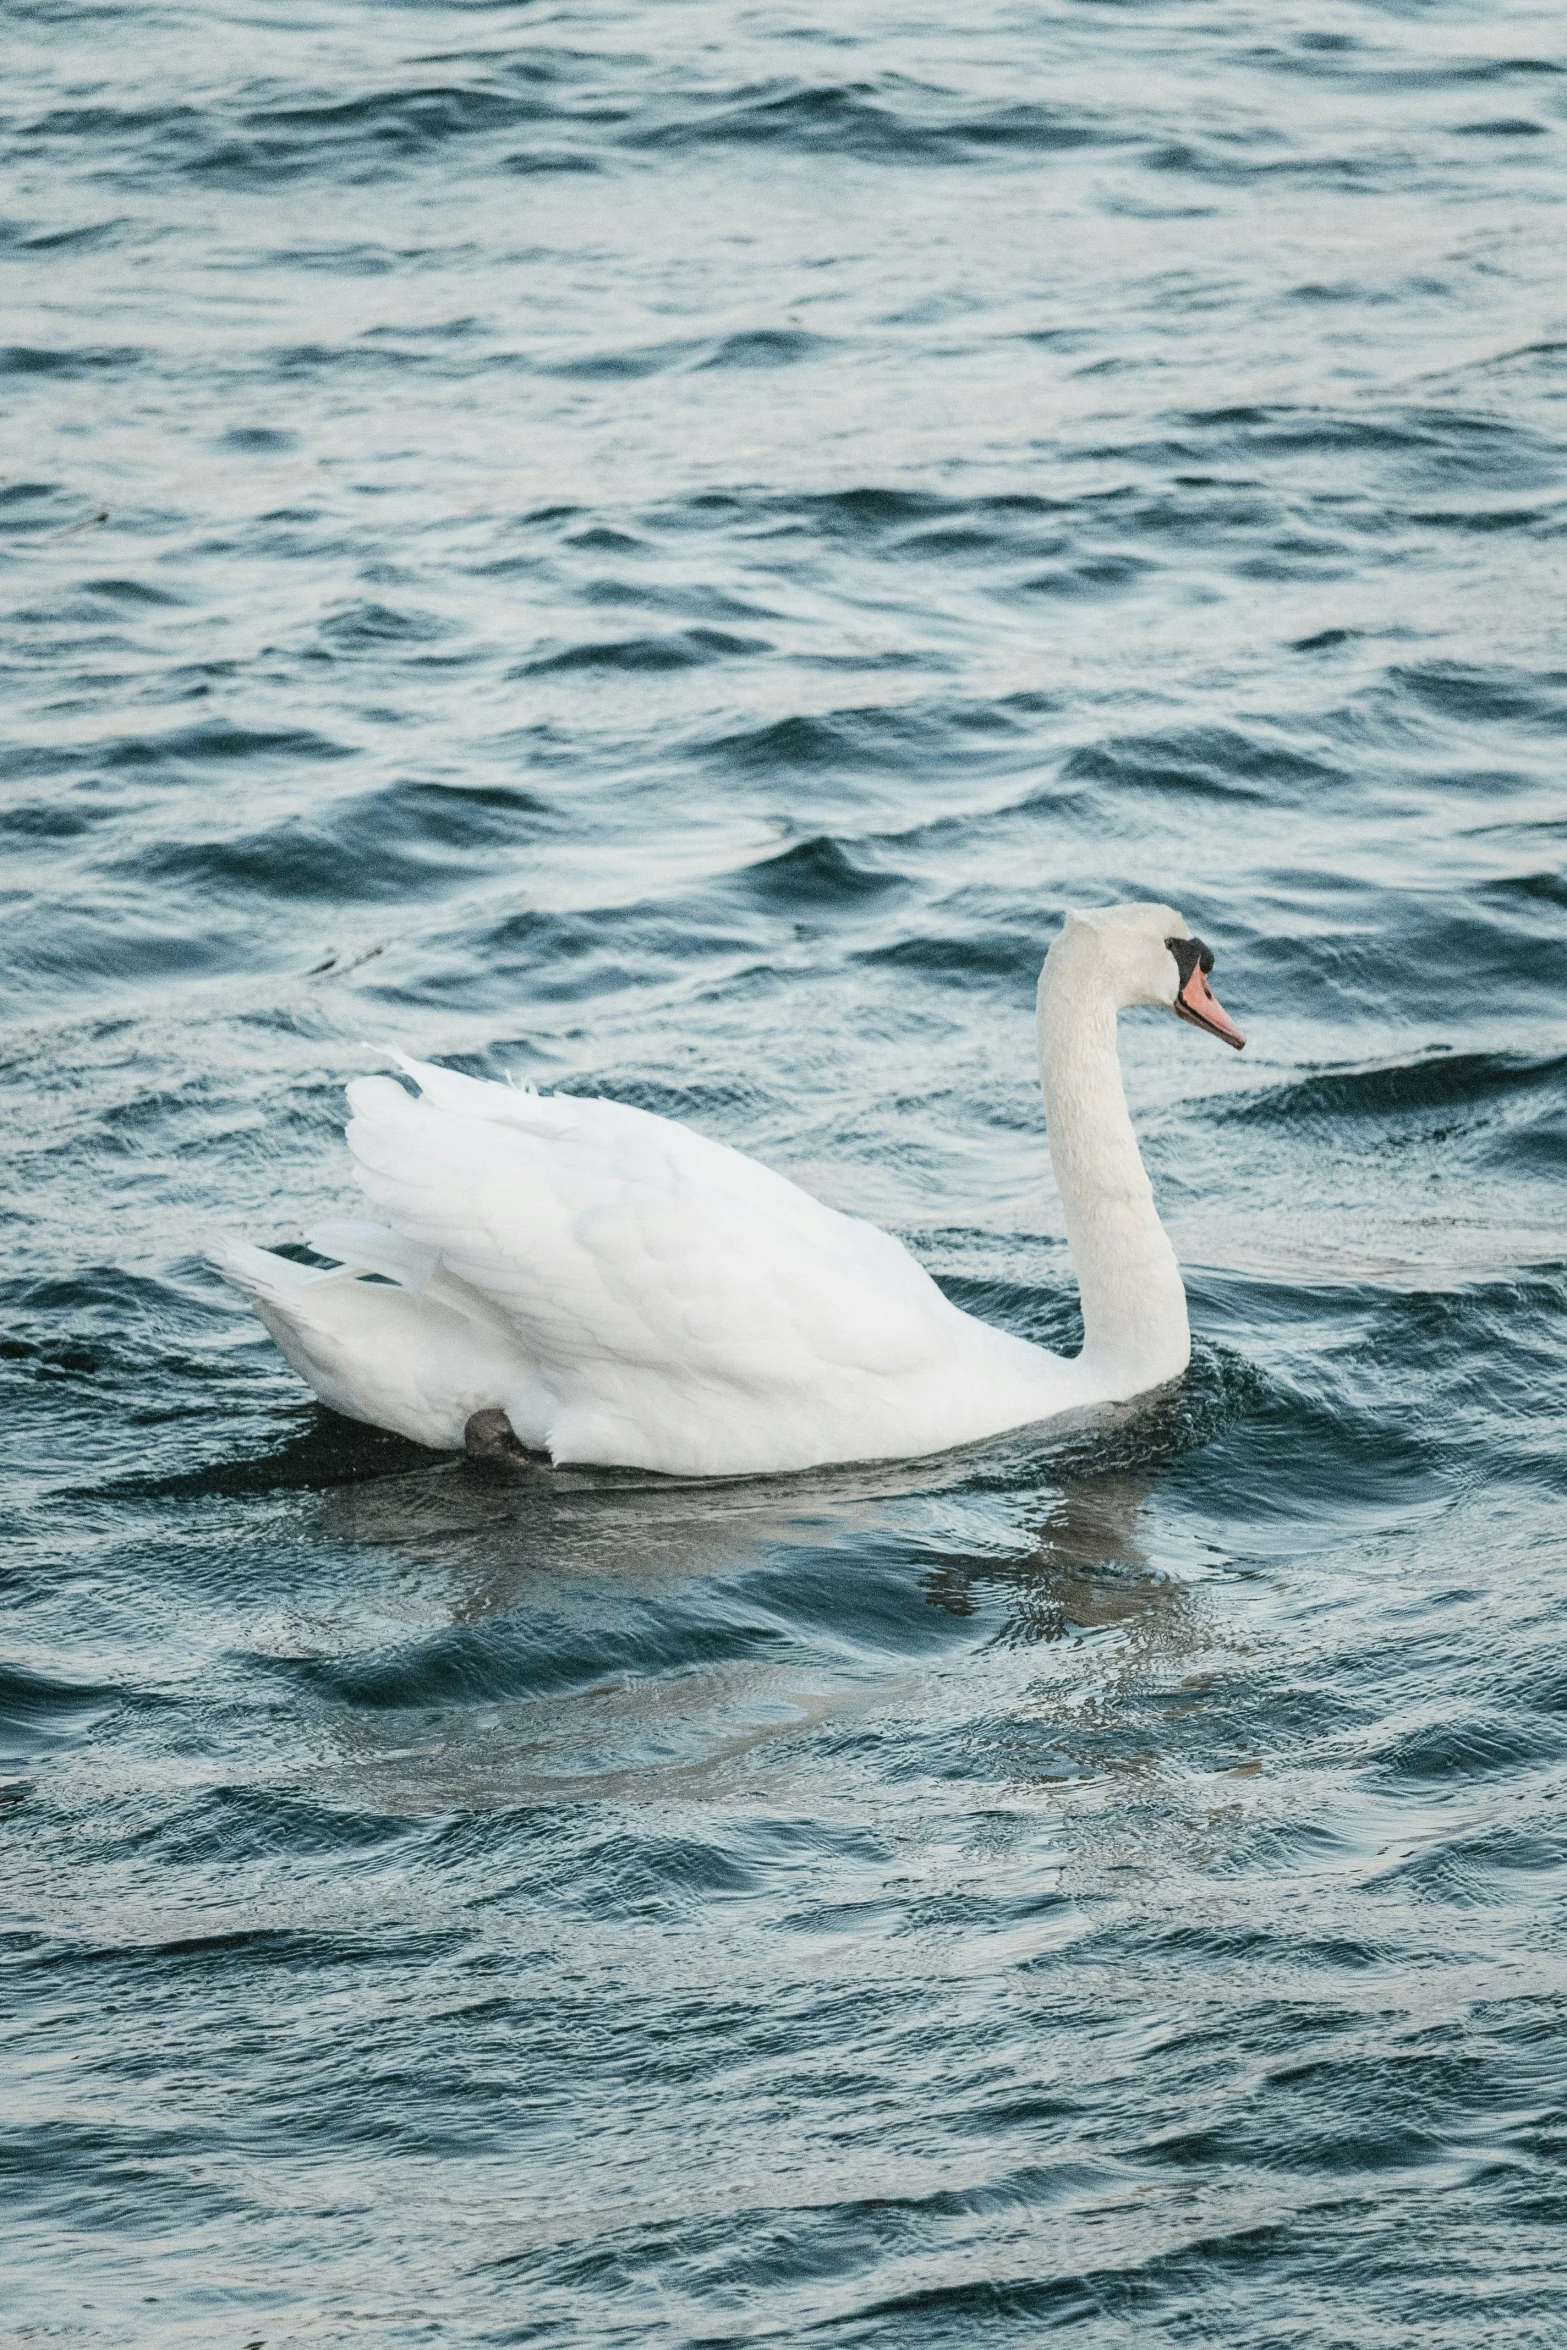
(499, 1539)
(1085, 1572)
(570, 1632)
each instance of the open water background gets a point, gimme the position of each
(658, 548)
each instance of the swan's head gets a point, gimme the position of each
(1146, 955)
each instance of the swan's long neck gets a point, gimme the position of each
(1134, 1305)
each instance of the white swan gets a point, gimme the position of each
(626, 1291)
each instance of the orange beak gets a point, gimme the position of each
(1198, 1003)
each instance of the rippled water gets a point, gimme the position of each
(658, 549)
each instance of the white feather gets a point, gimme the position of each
(371, 1248)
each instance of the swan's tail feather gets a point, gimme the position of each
(259, 1274)
(361, 1247)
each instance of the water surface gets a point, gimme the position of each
(658, 549)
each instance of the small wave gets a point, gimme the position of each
(537, 162)
(1326, 640)
(627, 366)
(372, 624)
(29, 494)
(690, 648)
(371, 135)
(133, 592)
(1509, 126)
(1385, 71)
(218, 741)
(420, 116)
(44, 820)
(86, 359)
(1527, 889)
(1493, 695)
(531, 1657)
(1474, 1744)
(623, 365)
(768, 347)
(711, 1104)
(966, 959)
(38, 1711)
(20, 236)
(262, 438)
(1438, 1081)
(1484, 521)
(1437, 444)
(404, 840)
(892, 121)
(759, 347)
(228, 1825)
(1221, 163)
(553, 958)
(1206, 762)
(879, 738)
(368, 137)
(812, 877)
(854, 512)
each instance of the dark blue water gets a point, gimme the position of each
(659, 548)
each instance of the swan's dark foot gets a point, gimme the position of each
(490, 1437)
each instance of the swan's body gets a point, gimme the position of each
(627, 1291)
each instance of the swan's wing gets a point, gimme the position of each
(618, 1243)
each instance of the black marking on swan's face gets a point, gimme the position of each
(1194, 998)
(1190, 955)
